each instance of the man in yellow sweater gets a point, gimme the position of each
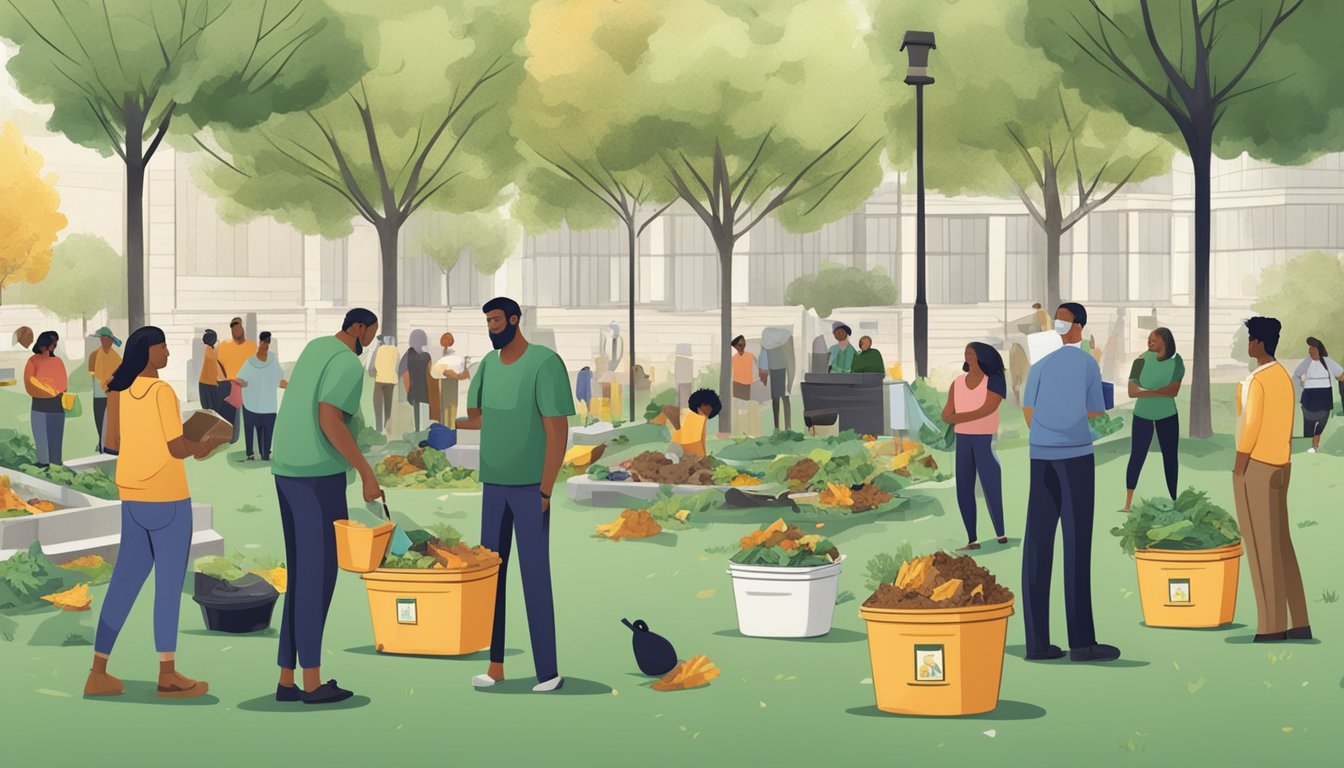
(232, 354)
(102, 363)
(1260, 484)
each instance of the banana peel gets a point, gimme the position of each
(697, 671)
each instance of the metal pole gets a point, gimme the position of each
(921, 302)
(634, 258)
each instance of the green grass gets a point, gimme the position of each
(1177, 696)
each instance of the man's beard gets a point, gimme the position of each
(359, 348)
(505, 337)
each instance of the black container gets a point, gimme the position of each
(237, 607)
(238, 619)
(653, 653)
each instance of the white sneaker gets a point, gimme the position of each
(483, 681)
(554, 684)
(1311, 450)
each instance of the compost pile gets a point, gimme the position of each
(800, 474)
(695, 672)
(858, 499)
(94, 482)
(940, 581)
(442, 549)
(424, 468)
(654, 467)
(234, 597)
(13, 505)
(786, 546)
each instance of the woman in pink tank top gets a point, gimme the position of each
(973, 411)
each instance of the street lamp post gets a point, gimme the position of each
(918, 45)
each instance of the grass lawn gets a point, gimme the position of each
(1176, 696)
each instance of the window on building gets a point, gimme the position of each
(210, 247)
(1153, 254)
(883, 242)
(577, 269)
(957, 267)
(420, 280)
(1108, 256)
(775, 257)
(335, 269)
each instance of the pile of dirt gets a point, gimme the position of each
(940, 581)
(654, 467)
(801, 474)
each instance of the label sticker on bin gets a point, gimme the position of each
(929, 664)
(1178, 590)
(406, 610)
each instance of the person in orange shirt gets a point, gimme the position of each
(232, 355)
(744, 375)
(1265, 407)
(44, 378)
(691, 426)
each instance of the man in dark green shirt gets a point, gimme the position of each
(313, 453)
(868, 360)
(521, 401)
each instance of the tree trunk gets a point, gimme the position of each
(634, 255)
(135, 232)
(1201, 420)
(725, 246)
(1054, 230)
(387, 246)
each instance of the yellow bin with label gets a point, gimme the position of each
(1187, 589)
(431, 611)
(938, 661)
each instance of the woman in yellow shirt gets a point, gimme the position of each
(155, 510)
(689, 427)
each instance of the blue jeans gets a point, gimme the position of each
(975, 456)
(309, 507)
(506, 510)
(262, 425)
(48, 436)
(1062, 496)
(154, 535)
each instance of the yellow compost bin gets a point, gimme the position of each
(1188, 588)
(432, 611)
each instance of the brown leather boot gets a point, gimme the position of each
(102, 684)
(176, 686)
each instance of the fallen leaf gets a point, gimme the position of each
(705, 593)
(49, 692)
(1304, 683)
(820, 526)
(1176, 666)
(762, 705)
(991, 733)
(615, 692)
(1195, 686)
(866, 681)
(1287, 729)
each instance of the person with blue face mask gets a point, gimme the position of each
(1063, 391)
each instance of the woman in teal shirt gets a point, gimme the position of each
(1154, 380)
(842, 352)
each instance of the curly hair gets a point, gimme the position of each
(702, 397)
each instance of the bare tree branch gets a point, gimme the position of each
(601, 197)
(347, 173)
(679, 184)
(219, 157)
(784, 195)
(340, 188)
(652, 218)
(160, 131)
(841, 178)
(1279, 18)
(1119, 67)
(1036, 172)
(107, 128)
(1030, 204)
(409, 192)
(1173, 75)
(415, 206)
(1082, 211)
(709, 194)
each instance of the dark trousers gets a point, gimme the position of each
(309, 506)
(99, 410)
(1141, 439)
(1063, 492)
(229, 412)
(507, 510)
(975, 457)
(262, 426)
(209, 396)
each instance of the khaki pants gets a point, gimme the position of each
(1262, 512)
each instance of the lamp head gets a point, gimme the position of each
(917, 46)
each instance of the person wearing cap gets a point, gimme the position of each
(232, 354)
(261, 379)
(841, 358)
(102, 363)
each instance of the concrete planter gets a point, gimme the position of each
(604, 493)
(86, 525)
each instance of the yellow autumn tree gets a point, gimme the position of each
(30, 215)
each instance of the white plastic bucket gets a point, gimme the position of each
(785, 602)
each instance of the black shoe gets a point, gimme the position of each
(1271, 637)
(1300, 633)
(1094, 653)
(1003, 539)
(1050, 653)
(288, 693)
(327, 693)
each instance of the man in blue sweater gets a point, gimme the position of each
(1063, 391)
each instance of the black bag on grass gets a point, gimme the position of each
(653, 653)
(238, 607)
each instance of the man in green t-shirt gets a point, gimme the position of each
(521, 401)
(313, 451)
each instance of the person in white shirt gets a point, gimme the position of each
(261, 378)
(1318, 374)
(450, 369)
